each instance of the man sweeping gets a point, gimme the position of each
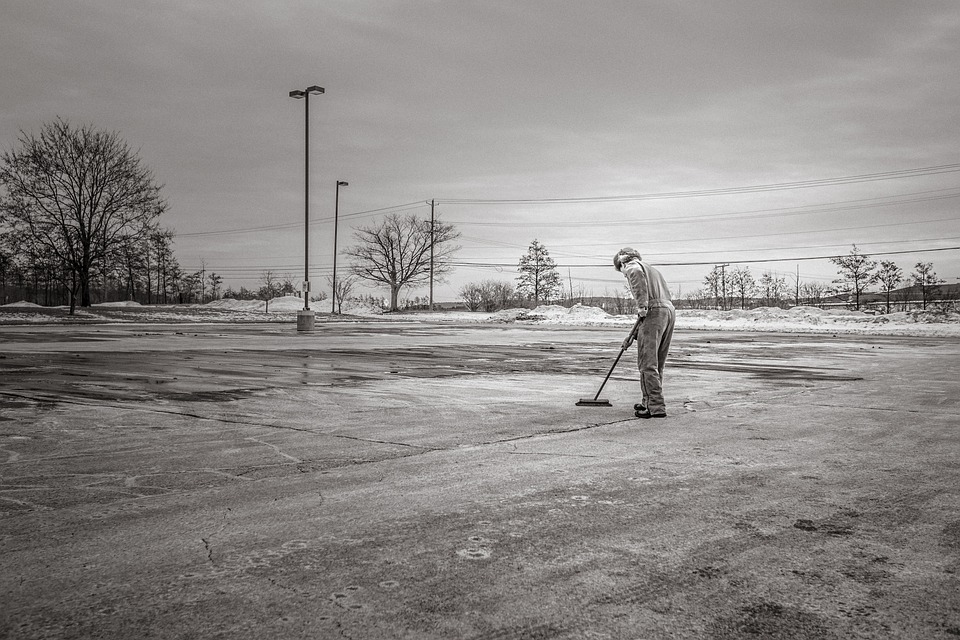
(656, 310)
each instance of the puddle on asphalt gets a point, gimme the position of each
(214, 376)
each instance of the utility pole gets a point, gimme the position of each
(723, 284)
(432, 204)
(798, 285)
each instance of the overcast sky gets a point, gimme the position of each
(586, 125)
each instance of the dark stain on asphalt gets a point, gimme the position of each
(198, 376)
(767, 372)
(766, 619)
(950, 536)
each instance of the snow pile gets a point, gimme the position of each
(125, 303)
(360, 308)
(506, 315)
(935, 316)
(578, 314)
(292, 304)
(286, 303)
(229, 304)
(587, 314)
(815, 320)
(933, 322)
(772, 319)
(277, 305)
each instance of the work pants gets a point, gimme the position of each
(653, 344)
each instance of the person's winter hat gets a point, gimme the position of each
(625, 255)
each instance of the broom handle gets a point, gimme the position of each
(633, 332)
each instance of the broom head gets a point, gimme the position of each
(593, 402)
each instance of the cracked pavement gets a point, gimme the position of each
(406, 480)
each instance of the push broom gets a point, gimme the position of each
(601, 402)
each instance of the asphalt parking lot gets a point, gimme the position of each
(409, 480)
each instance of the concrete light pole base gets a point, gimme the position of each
(305, 320)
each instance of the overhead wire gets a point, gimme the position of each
(779, 212)
(409, 206)
(777, 186)
(811, 209)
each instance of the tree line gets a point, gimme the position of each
(539, 281)
(79, 222)
(857, 273)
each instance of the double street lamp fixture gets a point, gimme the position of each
(336, 216)
(305, 318)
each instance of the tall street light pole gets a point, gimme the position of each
(336, 216)
(305, 317)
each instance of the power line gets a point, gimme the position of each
(227, 270)
(398, 208)
(754, 260)
(776, 234)
(777, 186)
(827, 207)
(779, 212)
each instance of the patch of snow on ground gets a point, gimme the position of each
(358, 308)
(769, 319)
(934, 322)
(578, 314)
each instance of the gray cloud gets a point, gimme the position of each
(507, 100)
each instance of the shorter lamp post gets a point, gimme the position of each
(336, 216)
(305, 318)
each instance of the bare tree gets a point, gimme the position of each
(713, 284)
(489, 295)
(77, 192)
(926, 278)
(271, 288)
(856, 273)
(496, 295)
(622, 301)
(889, 276)
(743, 284)
(813, 292)
(341, 290)
(773, 289)
(472, 295)
(396, 253)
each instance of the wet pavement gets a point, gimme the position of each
(405, 480)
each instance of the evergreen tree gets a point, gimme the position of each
(538, 279)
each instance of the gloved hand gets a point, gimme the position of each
(627, 342)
